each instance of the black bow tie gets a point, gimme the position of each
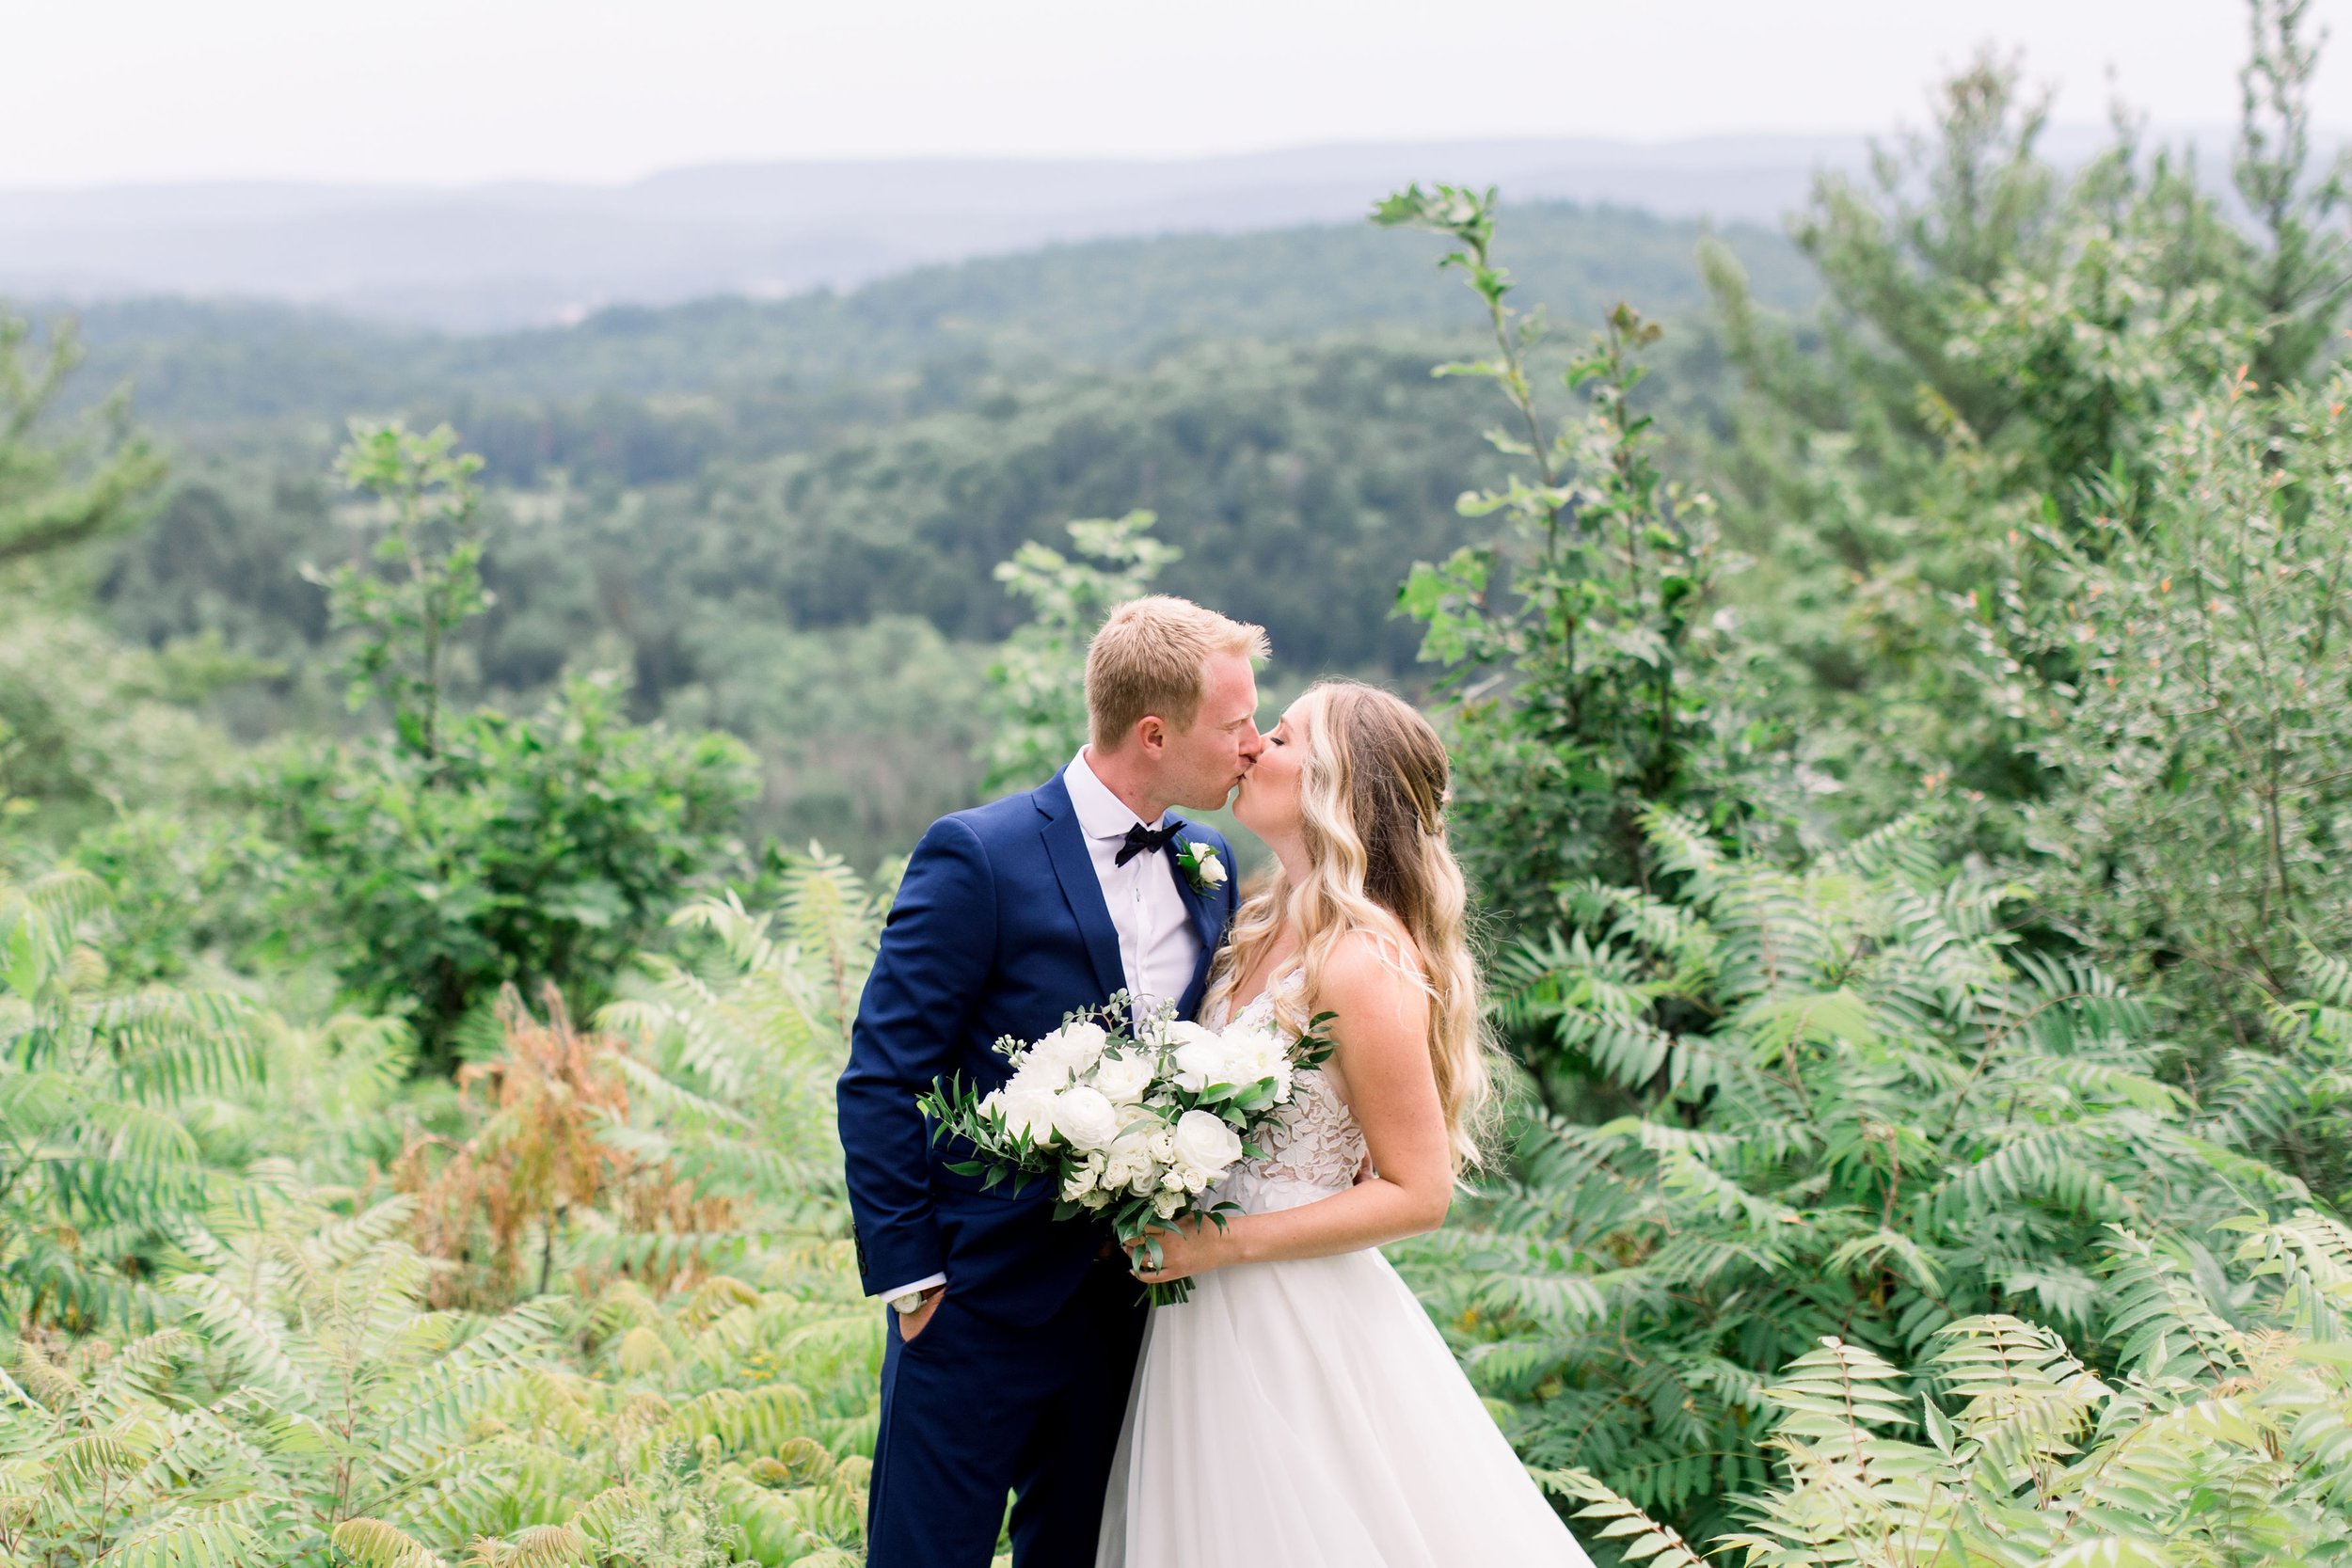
(1141, 840)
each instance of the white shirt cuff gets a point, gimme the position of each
(923, 1284)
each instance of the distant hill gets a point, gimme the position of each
(499, 257)
(928, 337)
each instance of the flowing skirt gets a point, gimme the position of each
(1308, 1415)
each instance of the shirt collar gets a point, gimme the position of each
(1100, 813)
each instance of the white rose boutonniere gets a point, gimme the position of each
(1201, 865)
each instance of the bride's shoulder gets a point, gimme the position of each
(1377, 969)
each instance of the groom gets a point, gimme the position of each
(1011, 1338)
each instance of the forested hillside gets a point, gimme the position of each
(206, 368)
(709, 496)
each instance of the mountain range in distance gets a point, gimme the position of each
(499, 257)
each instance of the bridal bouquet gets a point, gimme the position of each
(1133, 1123)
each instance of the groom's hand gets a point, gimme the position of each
(913, 1323)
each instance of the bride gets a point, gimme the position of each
(1300, 1408)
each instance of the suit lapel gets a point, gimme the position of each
(1200, 906)
(1066, 846)
(1207, 919)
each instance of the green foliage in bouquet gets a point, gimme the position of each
(1129, 1125)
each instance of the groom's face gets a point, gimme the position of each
(1204, 763)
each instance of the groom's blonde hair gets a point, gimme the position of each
(1152, 656)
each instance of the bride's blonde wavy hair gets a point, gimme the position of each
(1372, 794)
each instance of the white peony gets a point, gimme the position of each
(1205, 1148)
(1083, 1119)
(1253, 1052)
(1256, 1052)
(1124, 1078)
(1201, 1056)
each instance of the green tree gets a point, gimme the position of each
(1037, 688)
(59, 489)
(525, 851)
(464, 852)
(1576, 647)
(431, 546)
(2302, 272)
(2002, 351)
(2184, 670)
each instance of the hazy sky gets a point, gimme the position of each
(439, 92)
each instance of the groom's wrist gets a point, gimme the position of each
(929, 1282)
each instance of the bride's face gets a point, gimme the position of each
(1268, 804)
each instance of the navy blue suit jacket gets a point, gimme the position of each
(999, 929)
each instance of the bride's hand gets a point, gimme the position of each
(1187, 1247)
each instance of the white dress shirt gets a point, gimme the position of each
(1158, 947)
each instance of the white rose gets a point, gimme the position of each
(1073, 1048)
(1211, 868)
(1028, 1111)
(1167, 1204)
(1205, 1148)
(1123, 1079)
(1128, 1162)
(1173, 1032)
(1035, 1075)
(1083, 1119)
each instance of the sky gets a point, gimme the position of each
(440, 92)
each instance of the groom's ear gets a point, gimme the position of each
(1151, 733)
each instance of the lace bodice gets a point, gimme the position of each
(1316, 1147)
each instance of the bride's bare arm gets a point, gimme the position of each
(1382, 1035)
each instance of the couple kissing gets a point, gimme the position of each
(1299, 1409)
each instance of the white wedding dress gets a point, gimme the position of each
(1308, 1414)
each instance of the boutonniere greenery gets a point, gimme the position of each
(1202, 867)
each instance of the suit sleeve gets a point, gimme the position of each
(911, 1024)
